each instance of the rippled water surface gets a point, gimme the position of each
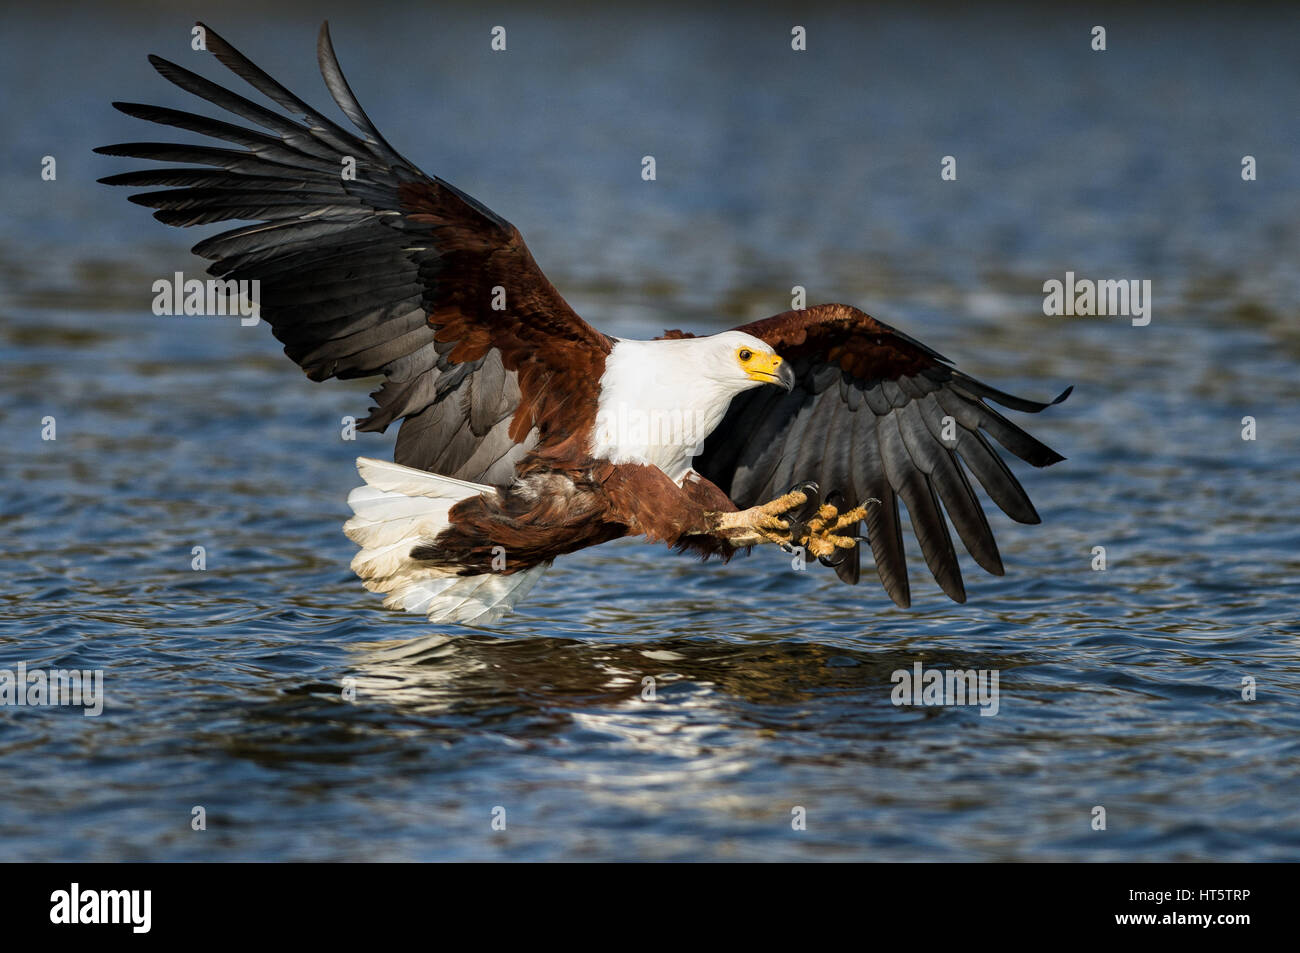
(1120, 688)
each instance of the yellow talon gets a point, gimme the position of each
(785, 503)
(820, 538)
(826, 514)
(823, 536)
(818, 546)
(855, 515)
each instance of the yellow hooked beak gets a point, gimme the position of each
(767, 368)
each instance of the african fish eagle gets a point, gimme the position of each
(526, 433)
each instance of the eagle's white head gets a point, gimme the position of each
(659, 400)
(736, 361)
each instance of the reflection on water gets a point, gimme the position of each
(312, 724)
(466, 676)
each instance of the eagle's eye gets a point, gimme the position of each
(745, 354)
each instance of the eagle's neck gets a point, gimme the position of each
(656, 404)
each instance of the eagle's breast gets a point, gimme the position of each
(657, 404)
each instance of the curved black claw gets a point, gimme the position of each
(846, 563)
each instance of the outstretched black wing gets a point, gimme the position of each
(867, 419)
(368, 266)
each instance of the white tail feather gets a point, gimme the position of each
(400, 508)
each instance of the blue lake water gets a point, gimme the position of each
(1120, 689)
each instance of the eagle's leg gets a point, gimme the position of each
(759, 524)
(820, 536)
